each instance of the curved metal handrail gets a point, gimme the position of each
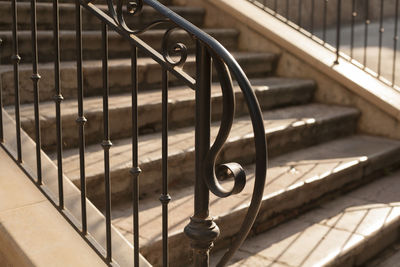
(225, 65)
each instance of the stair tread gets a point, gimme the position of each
(25, 35)
(112, 34)
(272, 92)
(182, 140)
(334, 230)
(141, 61)
(149, 75)
(145, 98)
(118, 47)
(286, 172)
(101, 6)
(71, 6)
(44, 15)
(337, 229)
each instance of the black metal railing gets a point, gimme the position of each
(201, 230)
(363, 32)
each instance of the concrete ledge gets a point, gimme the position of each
(33, 229)
(301, 57)
(306, 49)
(32, 232)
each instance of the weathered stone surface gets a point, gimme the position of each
(287, 129)
(149, 76)
(272, 92)
(344, 232)
(294, 180)
(298, 175)
(89, 22)
(118, 46)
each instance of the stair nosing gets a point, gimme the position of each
(346, 112)
(150, 162)
(392, 148)
(126, 62)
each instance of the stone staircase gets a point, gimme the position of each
(316, 153)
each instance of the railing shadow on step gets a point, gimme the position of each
(364, 32)
(201, 230)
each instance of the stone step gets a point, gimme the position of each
(118, 47)
(287, 129)
(89, 22)
(149, 75)
(347, 231)
(295, 182)
(388, 258)
(272, 92)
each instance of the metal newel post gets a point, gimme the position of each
(202, 230)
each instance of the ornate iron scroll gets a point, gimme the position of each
(225, 66)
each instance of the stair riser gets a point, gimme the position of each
(89, 22)
(149, 76)
(281, 207)
(181, 114)
(181, 166)
(92, 45)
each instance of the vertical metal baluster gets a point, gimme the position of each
(165, 198)
(1, 98)
(300, 12)
(395, 39)
(58, 98)
(381, 30)
(338, 29)
(264, 3)
(276, 6)
(324, 20)
(312, 16)
(366, 33)
(353, 17)
(16, 59)
(81, 120)
(106, 144)
(202, 230)
(135, 171)
(35, 79)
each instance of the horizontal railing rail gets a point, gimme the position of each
(363, 32)
(201, 230)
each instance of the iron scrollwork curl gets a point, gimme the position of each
(225, 66)
(133, 7)
(212, 174)
(233, 170)
(177, 49)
